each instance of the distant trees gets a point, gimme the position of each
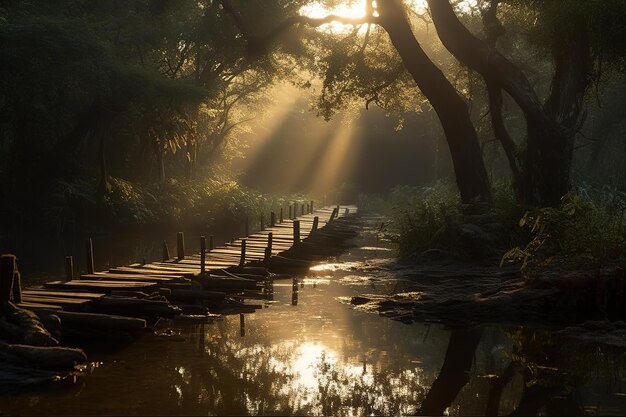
(151, 78)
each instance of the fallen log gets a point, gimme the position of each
(135, 307)
(22, 326)
(191, 295)
(40, 357)
(101, 321)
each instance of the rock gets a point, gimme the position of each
(359, 300)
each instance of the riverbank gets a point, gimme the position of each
(587, 303)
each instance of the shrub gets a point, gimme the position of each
(577, 232)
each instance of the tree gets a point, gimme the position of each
(453, 113)
(542, 169)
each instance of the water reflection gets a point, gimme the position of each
(309, 354)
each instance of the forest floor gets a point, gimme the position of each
(577, 304)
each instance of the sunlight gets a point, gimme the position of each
(309, 357)
(349, 9)
(356, 9)
(339, 159)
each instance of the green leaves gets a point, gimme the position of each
(577, 232)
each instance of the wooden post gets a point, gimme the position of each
(272, 219)
(281, 215)
(17, 287)
(295, 209)
(347, 211)
(267, 254)
(89, 250)
(332, 215)
(202, 254)
(316, 221)
(242, 325)
(7, 273)
(247, 230)
(69, 268)
(289, 211)
(180, 245)
(302, 210)
(165, 252)
(242, 257)
(268, 249)
(296, 232)
(211, 242)
(262, 222)
(311, 206)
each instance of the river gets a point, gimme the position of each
(309, 352)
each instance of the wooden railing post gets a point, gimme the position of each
(311, 206)
(89, 251)
(281, 215)
(316, 221)
(272, 219)
(333, 214)
(290, 217)
(296, 232)
(180, 245)
(211, 242)
(202, 254)
(69, 268)
(242, 257)
(17, 286)
(7, 273)
(165, 252)
(268, 249)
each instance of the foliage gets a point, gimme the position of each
(204, 204)
(417, 214)
(578, 232)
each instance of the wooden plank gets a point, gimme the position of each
(126, 277)
(150, 271)
(105, 286)
(171, 267)
(53, 293)
(56, 300)
(39, 306)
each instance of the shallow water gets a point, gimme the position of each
(308, 352)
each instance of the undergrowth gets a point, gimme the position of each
(581, 232)
(588, 228)
(202, 204)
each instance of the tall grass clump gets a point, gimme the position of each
(417, 214)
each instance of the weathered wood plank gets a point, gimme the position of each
(50, 292)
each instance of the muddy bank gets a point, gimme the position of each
(465, 295)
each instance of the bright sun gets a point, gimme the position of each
(356, 9)
(352, 9)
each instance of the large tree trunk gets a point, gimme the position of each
(546, 165)
(471, 176)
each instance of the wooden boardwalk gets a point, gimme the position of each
(228, 268)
